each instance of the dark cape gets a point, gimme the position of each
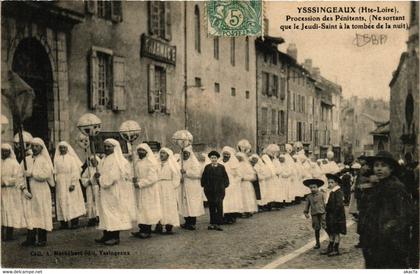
(387, 227)
(336, 216)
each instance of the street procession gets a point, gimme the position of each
(161, 192)
(209, 134)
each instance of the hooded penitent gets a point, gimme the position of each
(12, 214)
(114, 171)
(149, 209)
(67, 169)
(169, 177)
(37, 210)
(191, 201)
(232, 203)
(249, 200)
(285, 176)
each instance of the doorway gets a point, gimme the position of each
(33, 65)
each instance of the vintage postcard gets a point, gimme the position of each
(209, 135)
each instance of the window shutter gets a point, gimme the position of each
(263, 84)
(151, 90)
(153, 17)
(276, 85)
(168, 22)
(119, 98)
(116, 11)
(270, 85)
(91, 6)
(168, 98)
(282, 88)
(93, 77)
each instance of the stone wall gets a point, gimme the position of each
(215, 118)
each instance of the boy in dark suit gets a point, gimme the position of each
(336, 217)
(214, 181)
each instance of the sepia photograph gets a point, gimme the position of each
(224, 135)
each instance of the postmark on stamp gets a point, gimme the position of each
(234, 17)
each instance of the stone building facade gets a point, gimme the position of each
(301, 94)
(220, 84)
(404, 97)
(271, 92)
(381, 138)
(114, 59)
(360, 117)
(327, 125)
(125, 60)
(295, 99)
(35, 46)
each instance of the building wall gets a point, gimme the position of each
(54, 41)
(402, 87)
(336, 129)
(72, 49)
(217, 119)
(124, 40)
(267, 132)
(300, 85)
(404, 132)
(357, 118)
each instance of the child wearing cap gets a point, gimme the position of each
(316, 203)
(336, 217)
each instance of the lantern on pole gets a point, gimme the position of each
(19, 96)
(83, 142)
(183, 138)
(26, 144)
(130, 132)
(4, 122)
(90, 125)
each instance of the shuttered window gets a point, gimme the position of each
(310, 132)
(294, 102)
(273, 121)
(107, 80)
(282, 88)
(108, 10)
(160, 19)
(282, 122)
(275, 85)
(264, 120)
(265, 83)
(105, 9)
(158, 92)
(104, 79)
(118, 92)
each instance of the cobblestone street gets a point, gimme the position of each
(251, 243)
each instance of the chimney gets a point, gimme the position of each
(292, 51)
(316, 73)
(308, 65)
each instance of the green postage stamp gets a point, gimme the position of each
(235, 17)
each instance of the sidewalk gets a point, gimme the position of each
(350, 258)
